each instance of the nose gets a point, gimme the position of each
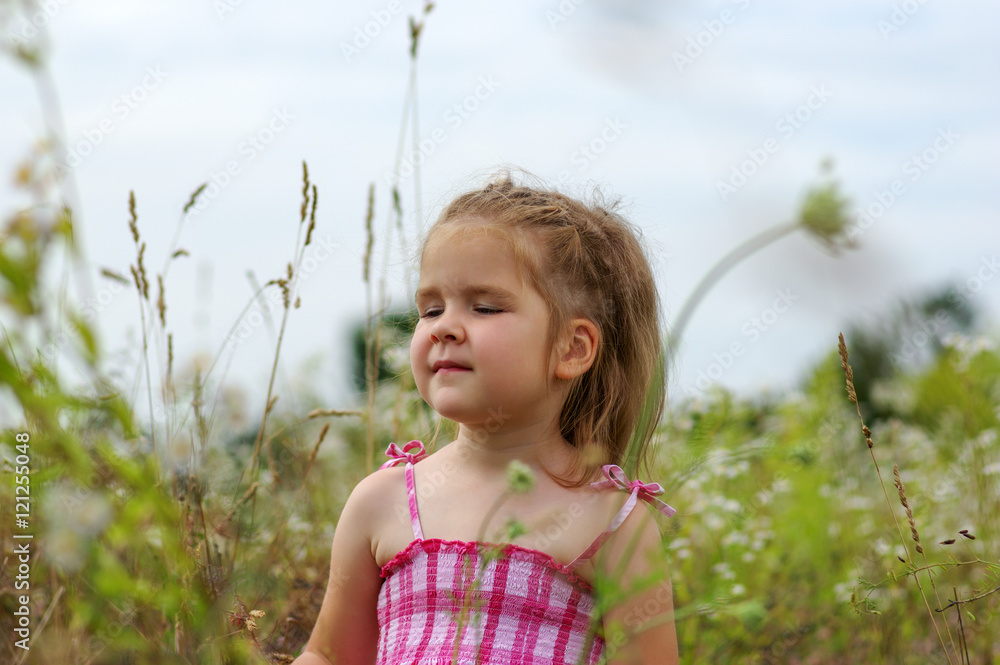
(447, 327)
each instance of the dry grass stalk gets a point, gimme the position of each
(142, 286)
(133, 225)
(848, 372)
(852, 395)
(319, 440)
(898, 482)
(194, 197)
(142, 272)
(370, 337)
(246, 497)
(317, 413)
(304, 210)
(116, 276)
(136, 279)
(370, 235)
(161, 303)
(312, 216)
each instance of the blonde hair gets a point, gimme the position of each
(586, 261)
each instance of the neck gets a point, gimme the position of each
(538, 445)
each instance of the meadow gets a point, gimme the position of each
(854, 519)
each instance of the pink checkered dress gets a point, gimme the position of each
(450, 601)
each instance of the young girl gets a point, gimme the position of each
(539, 335)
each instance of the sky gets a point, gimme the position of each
(709, 120)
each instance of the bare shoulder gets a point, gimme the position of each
(380, 505)
(372, 490)
(639, 623)
(372, 500)
(636, 547)
(346, 630)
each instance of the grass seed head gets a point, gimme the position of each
(133, 218)
(116, 276)
(142, 272)
(848, 372)
(304, 210)
(194, 197)
(312, 216)
(136, 279)
(898, 482)
(161, 303)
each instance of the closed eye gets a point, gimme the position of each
(430, 312)
(482, 309)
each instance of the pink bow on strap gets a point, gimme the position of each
(411, 452)
(638, 489)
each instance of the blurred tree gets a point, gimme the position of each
(909, 337)
(396, 328)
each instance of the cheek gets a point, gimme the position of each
(418, 350)
(418, 362)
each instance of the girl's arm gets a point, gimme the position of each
(346, 631)
(640, 630)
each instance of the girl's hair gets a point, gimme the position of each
(586, 261)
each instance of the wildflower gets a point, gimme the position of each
(824, 216)
(520, 478)
(515, 528)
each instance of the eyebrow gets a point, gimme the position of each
(471, 290)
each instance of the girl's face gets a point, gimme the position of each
(480, 352)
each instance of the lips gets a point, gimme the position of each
(449, 366)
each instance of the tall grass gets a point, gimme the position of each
(174, 541)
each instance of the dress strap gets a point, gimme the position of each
(412, 451)
(638, 490)
(411, 498)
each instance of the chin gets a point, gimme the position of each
(463, 414)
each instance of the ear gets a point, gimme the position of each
(577, 349)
